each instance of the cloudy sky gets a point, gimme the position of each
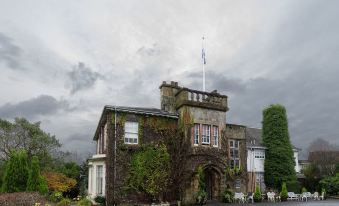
(61, 61)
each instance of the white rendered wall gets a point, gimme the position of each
(92, 179)
(255, 164)
(296, 166)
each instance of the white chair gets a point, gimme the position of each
(322, 196)
(239, 196)
(316, 196)
(270, 197)
(250, 196)
(305, 196)
(292, 196)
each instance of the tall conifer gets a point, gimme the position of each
(279, 158)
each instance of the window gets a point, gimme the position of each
(99, 179)
(131, 133)
(206, 133)
(215, 135)
(234, 154)
(196, 134)
(259, 154)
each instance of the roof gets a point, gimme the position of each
(134, 110)
(254, 138)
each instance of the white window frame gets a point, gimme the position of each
(196, 134)
(99, 179)
(259, 154)
(215, 136)
(131, 133)
(206, 134)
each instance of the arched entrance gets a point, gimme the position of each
(212, 182)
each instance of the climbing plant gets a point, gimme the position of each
(149, 171)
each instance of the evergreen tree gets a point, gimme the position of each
(279, 162)
(16, 173)
(35, 181)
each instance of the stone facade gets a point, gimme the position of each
(217, 147)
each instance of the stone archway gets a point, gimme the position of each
(212, 183)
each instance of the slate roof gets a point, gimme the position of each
(134, 110)
(254, 138)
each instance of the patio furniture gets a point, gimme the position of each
(277, 197)
(250, 196)
(322, 196)
(292, 196)
(270, 197)
(316, 196)
(239, 196)
(305, 196)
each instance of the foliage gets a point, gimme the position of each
(279, 162)
(228, 196)
(84, 202)
(58, 182)
(257, 195)
(303, 190)
(64, 202)
(149, 170)
(26, 136)
(201, 195)
(35, 181)
(16, 173)
(312, 177)
(232, 173)
(293, 186)
(100, 199)
(56, 196)
(284, 192)
(331, 184)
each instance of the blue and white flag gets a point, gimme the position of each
(203, 56)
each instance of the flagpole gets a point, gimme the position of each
(203, 66)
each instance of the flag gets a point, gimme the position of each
(203, 56)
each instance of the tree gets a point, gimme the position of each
(16, 173)
(149, 170)
(23, 135)
(331, 184)
(279, 162)
(35, 181)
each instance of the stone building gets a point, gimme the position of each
(219, 148)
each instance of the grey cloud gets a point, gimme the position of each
(9, 52)
(149, 51)
(41, 105)
(82, 78)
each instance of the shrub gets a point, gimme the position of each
(257, 195)
(84, 202)
(284, 192)
(331, 184)
(228, 196)
(64, 202)
(16, 173)
(56, 197)
(293, 186)
(100, 199)
(201, 195)
(35, 181)
(303, 190)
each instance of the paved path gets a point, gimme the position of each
(289, 203)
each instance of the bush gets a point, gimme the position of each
(84, 202)
(293, 186)
(284, 192)
(16, 173)
(331, 184)
(64, 202)
(303, 190)
(201, 197)
(257, 195)
(228, 196)
(35, 181)
(55, 197)
(100, 199)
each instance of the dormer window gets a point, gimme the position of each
(131, 133)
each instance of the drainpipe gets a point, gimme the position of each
(115, 150)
